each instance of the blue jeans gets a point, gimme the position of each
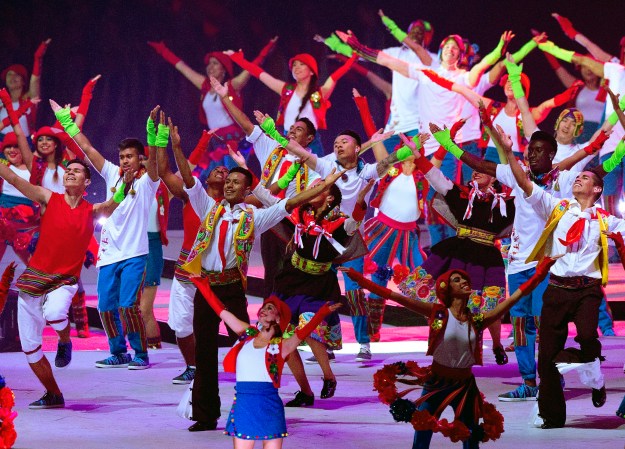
(357, 302)
(119, 289)
(525, 316)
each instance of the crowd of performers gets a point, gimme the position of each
(509, 207)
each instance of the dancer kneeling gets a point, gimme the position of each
(455, 342)
(261, 346)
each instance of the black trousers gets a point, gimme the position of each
(205, 395)
(272, 251)
(560, 307)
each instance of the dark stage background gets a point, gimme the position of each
(109, 38)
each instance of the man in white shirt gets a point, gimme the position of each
(220, 255)
(274, 161)
(576, 234)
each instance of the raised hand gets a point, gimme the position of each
(504, 139)
(129, 176)
(363, 192)
(173, 133)
(319, 38)
(381, 136)
(566, 25)
(55, 106)
(540, 37)
(434, 128)
(219, 88)
(333, 177)
(237, 157)
(424, 137)
(41, 50)
(260, 117)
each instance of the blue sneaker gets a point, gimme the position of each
(522, 393)
(608, 332)
(48, 400)
(115, 361)
(186, 377)
(63, 355)
(139, 363)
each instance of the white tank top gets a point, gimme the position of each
(251, 364)
(216, 114)
(292, 108)
(454, 351)
(8, 189)
(509, 126)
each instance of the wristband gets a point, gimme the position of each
(338, 46)
(596, 144)
(358, 214)
(613, 119)
(151, 132)
(119, 194)
(524, 50)
(240, 60)
(305, 331)
(286, 179)
(615, 159)
(494, 55)
(395, 31)
(200, 148)
(424, 165)
(436, 78)
(204, 288)
(162, 137)
(404, 153)
(264, 52)
(566, 96)
(269, 126)
(444, 138)
(560, 53)
(341, 71)
(64, 116)
(85, 99)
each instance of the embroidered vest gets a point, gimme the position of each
(494, 111)
(438, 323)
(232, 94)
(319, 105)
(547, 237)
(243, 241)
(273, 355)
(419, 180)
(272, 163)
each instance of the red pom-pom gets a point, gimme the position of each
(400, 272)
(370, 266)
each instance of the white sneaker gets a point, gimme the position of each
(364, 355)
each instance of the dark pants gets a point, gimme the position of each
(560, 307)
(205, 395)
(272, 251)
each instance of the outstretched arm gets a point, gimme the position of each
(174, 183)
(443, 137)
(34, 193)
(237, 114)
(290, 344)
(239, 81)
(403, 38)
(85, 101)
(237, 325)
(519, 175)
(257, 72)
(423, 308)
(63, 115)
(34, 89)
(328, 87)
(490, 59)
(12, 115)
(572, 33)
(181, 161)
(309, 194)
(197, 79)
(542, 269)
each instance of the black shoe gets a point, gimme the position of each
(598, 397)
(548, 425)
(500, 355)
(301, 400)
(329, 387)
(200, 426)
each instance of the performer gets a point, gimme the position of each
(306, 280)
(357, 175)
(15, 78)
(258, 359)
(124, 240)
(221, 253)
(455, 342)
(213, 113)
(50, 279)
(305, 98)
(19, 216)
(576, 230)
(182, 289)
(480, 214)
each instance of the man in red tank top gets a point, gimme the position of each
(48, 284)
